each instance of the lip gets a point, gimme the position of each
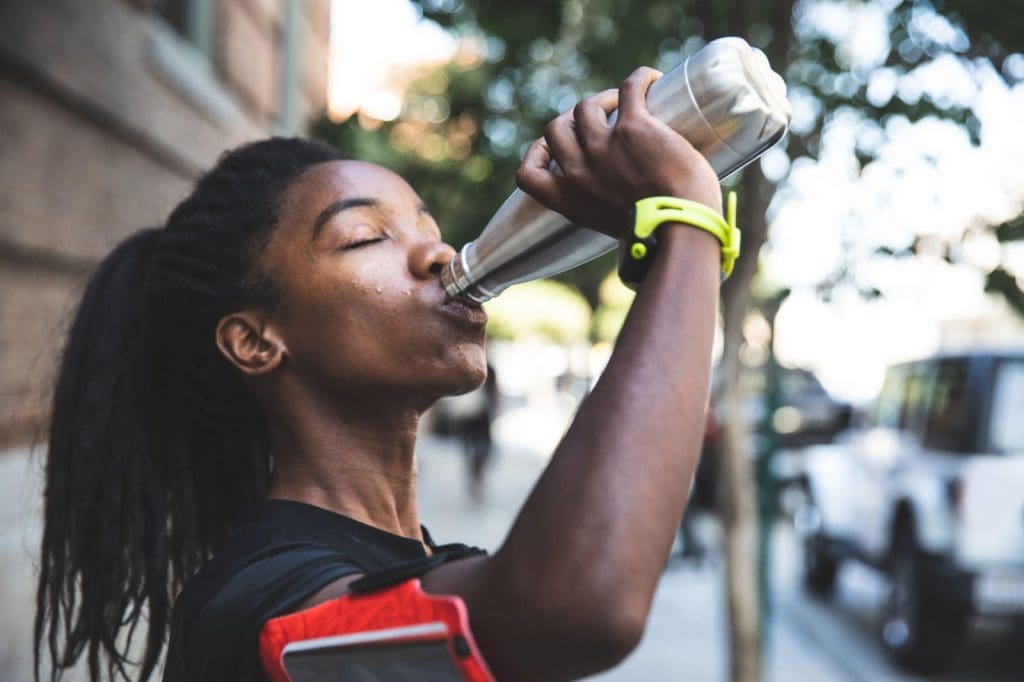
(469, 314)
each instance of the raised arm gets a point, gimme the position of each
(569, 591)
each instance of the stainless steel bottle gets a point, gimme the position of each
(725, 99)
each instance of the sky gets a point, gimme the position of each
(374, 45)
(927, 179)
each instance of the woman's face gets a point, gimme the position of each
(361, 309)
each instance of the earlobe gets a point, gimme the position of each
(249, 343)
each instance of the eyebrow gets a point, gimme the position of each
(336, 207)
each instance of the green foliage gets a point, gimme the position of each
(463, 130)
(1001, 282)
(1011, 230)
(459, 144)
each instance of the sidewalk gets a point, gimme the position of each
(686, 634)
(685, 637)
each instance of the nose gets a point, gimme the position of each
(427, 259)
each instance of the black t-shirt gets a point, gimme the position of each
(280, 553)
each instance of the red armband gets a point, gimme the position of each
(396, 633)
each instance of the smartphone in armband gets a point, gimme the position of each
(395, 634)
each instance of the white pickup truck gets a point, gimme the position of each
(930, 489)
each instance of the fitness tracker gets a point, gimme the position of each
(637, 250)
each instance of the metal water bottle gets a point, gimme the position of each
(724, 99)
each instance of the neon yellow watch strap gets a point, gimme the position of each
(652, 212)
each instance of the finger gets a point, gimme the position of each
(537, 155)
(563, 145)
(633, 91)
(534, 175)
(592, 127)
(606, 100)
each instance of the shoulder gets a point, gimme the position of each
(263, 571)
(282, 556)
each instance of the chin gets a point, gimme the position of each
(467, 371)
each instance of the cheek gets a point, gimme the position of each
(337, 335)
(372, 330)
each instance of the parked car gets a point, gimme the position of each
(930, 489)
(806, 414)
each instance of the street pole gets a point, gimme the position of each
(769, 443)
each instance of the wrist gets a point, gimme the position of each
(655, 219)
(710, 195)
(680, 238)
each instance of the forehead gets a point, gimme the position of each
(328, 182)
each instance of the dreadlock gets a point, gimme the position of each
(154, 442)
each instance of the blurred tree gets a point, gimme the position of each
(978, 36)
(994, 32)
(464, 128)
(545, 309)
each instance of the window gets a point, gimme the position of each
(915, 398)
(948, 424)
(886, 413)
(180, 51)
(1006, 428)
(190, 19)
(174, 12)
(290, 40)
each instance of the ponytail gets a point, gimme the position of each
(155, 443)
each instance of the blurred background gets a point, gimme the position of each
(859, 513)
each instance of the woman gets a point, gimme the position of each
(246, 382)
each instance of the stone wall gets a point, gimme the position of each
(106, 117)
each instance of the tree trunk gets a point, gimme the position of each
(738, 493)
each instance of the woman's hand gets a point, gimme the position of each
(606, 168)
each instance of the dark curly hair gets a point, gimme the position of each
(154, 441)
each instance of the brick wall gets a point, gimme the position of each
(99, 138)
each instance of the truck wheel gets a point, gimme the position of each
(820, 567)
(920, 628)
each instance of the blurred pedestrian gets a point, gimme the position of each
(703, 500)
(477, 442)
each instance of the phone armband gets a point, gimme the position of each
(395, 633)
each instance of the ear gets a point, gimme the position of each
(250, 342)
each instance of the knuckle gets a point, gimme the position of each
(636, 75)
(524, 178)
(627, 129)
(575, 172)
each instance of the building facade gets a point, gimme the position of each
(109, 109)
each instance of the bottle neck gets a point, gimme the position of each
(458, 283)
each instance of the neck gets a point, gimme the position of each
(356, 458)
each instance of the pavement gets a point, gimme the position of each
(685, 637)
(809, 640)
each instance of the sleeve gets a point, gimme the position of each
(220, 641)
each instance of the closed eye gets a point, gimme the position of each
(362, 242)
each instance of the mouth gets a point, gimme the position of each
(469, 314)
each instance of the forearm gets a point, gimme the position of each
(569, 591)
(574, 580)
(608, 505)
